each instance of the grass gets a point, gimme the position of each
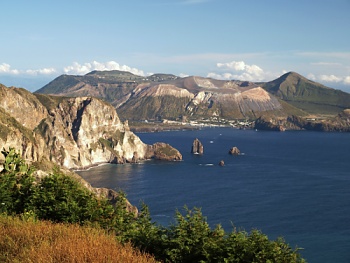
(50, 102)
(9, 124)
(167, 150)
(40, 241)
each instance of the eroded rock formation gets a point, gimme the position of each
(234, 151)
(197, 147)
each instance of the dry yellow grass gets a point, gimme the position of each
(29, 241)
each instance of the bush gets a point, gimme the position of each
(42, 241)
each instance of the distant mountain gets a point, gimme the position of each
(167, 96)
(308, 95)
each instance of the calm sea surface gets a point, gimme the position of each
(290, 184)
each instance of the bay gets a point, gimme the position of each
(290, 184)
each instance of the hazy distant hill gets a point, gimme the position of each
(171, 97)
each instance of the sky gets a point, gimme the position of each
(251, 40)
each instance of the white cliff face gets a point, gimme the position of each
(162, 90)
(85, 131)
(202, 97)
(72, 132)
(257, 99)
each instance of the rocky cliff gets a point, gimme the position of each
(72, 132)
(339, 123)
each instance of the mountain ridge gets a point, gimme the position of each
(308, 95)
(166, 96)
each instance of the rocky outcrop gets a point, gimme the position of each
(269, 124)
(222, 163)
(197, 147)
(71, 132)
(234, 151)
(339, 123)
(163, 151)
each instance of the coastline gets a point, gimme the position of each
(157, 126)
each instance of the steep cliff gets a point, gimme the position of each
(72, 132)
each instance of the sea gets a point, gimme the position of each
(293, 184)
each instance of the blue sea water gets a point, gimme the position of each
(290, 184)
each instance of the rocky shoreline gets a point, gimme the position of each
(339, 123)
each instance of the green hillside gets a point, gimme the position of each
(308, 95)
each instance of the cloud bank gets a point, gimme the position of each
(81, 69)
(6, 69)
(238, 70)
(330, 79)
(75, 69)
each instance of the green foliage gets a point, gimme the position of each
(166, 150)
(191, 239)
(61, 198)
(16, 183)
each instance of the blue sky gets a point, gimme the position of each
(228, 39)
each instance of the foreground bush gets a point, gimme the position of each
(60, 198)
(31, 241)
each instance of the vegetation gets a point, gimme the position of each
(27, 240)
(50, 102)
(9, 124)
(61, 199)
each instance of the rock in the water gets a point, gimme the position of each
(222, 163)
(163, 151)
(197, 147)
(135, 158)
(234, 151)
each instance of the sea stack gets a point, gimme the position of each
(197, 147)
(234, 151)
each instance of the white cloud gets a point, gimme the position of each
(238, 70)
(183, 75)
(6, 68)
(347, 80)
(234, 65)
(311, 76)
(330, 78)
(81, 69)
(43, 71)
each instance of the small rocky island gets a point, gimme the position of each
(197, 147)
(234, 151)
